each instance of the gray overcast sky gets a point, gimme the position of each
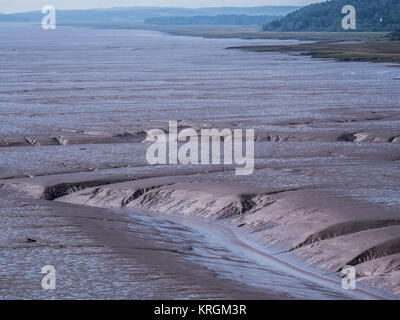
(7, 6)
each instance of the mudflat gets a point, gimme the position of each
(77, 191)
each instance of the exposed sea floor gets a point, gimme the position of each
(74, 101)
(103, 254)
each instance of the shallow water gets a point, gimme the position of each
(212, 248)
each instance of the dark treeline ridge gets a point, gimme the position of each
(371, 15)
(140, 14)
(213, 20)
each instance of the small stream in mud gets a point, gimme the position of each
(102, 254)
(209, 245)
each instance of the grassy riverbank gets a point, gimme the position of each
(370, 51)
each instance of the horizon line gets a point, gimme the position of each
(149, 7)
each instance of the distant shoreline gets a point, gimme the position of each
(341, 46)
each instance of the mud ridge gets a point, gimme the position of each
(387, 248)
(59, 190)
(345, 228)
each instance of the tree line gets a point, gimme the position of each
(214, 20)
(371, 15)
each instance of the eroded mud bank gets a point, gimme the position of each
(325, 231)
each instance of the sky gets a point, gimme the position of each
(8, 6)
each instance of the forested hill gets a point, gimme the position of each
(213, 20)
(371, 15)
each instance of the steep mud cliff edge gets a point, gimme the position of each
(327, 232)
